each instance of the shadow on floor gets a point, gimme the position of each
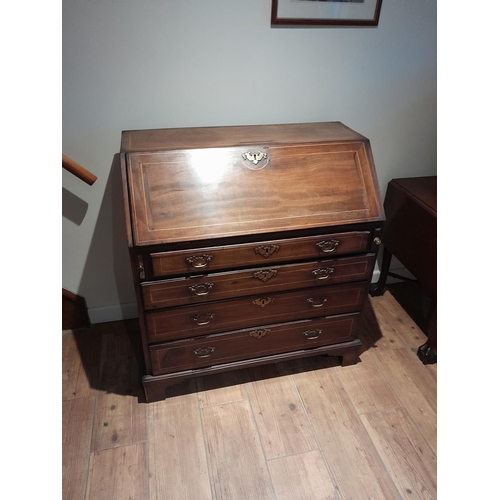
(111, 355)
(411, 298)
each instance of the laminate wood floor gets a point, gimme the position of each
(301, 430)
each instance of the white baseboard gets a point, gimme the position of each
(116, 312)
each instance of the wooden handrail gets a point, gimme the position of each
(78, 170)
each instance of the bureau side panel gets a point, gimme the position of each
(410, 233)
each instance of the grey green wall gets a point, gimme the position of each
(179, 63)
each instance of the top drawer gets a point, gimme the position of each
(192, 261)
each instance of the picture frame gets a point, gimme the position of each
(325, 12)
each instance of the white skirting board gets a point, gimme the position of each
(116, 312)
(119, 312)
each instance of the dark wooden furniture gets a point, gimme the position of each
(249, 245)
(410, 234)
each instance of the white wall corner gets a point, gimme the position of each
(376, 273)
(116, 312)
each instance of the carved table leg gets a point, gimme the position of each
(377, 288)
(427, 353)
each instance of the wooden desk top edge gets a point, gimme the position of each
(233, 136)
(430, 201)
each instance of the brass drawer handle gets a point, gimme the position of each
(203, 319)
(317, 301)
(328, 246)
(199, 260)
(258, 334)
(263, 302)
(204, 352)
(201, 289)
(265, 275)
(266, 251)
(312, 334)
(323, 273)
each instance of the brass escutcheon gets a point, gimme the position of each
(266, 251)
(258, 334)
(263, 302)
(265, 275)
(254, 156)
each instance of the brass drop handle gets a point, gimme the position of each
(201, 288)
(312, 334)
(317, 301)
(203, 319)
(204, 352)
(328, 246)
(199, 261)
(323, 273)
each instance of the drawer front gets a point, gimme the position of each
(260, 253)
(251, 342)
(222, 316)
(196, 289)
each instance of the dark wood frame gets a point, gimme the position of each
(275, 20)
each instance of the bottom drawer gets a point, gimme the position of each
(251, 342)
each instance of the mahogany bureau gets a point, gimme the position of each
(249, 244)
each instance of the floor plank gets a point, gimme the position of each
(302, 476)
(119, 420)
(282, 423)
(402, 322)
(222, 388)
(390, 338)
(77, 375)
(366, 385)
(238, 469)
(118, 473)
(177, 460)
(399, 370)
(348, 450)
(406, 455)
(76, 431)
(119, 417)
